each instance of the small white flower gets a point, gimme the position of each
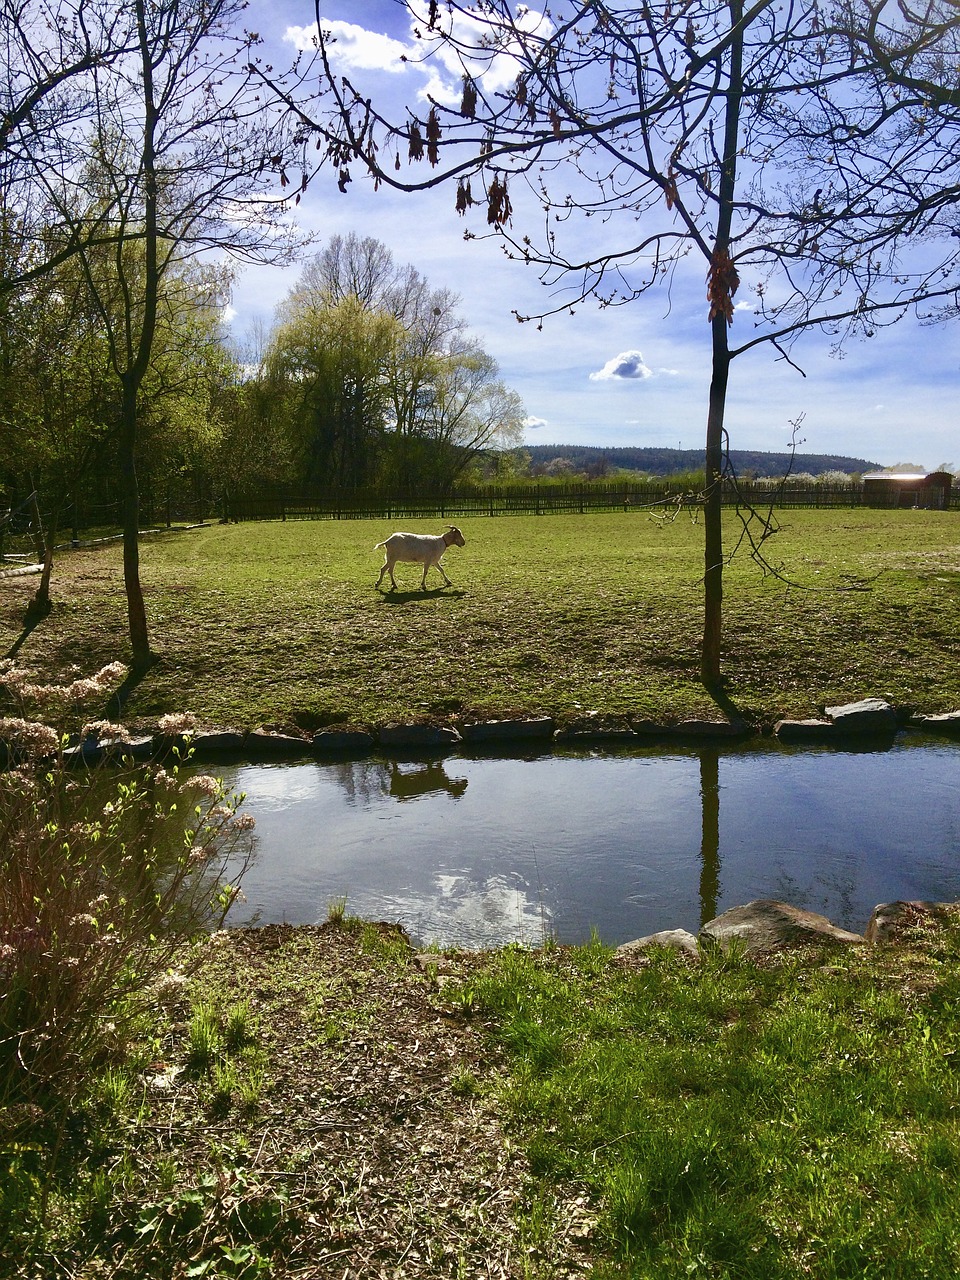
(206, 785)
(105, 731)
(29, 736)
(177, 722)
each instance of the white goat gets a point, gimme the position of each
(419, 548)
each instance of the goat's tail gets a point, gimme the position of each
(379, 545)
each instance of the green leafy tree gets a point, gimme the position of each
(462, 408)
(326, 367)
(171, 151)
(381, 381)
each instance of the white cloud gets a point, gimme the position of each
(499, 70)
(354, 47)
(532, 422)
(627, 365)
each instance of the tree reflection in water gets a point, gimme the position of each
(364, 782)
(710, 833)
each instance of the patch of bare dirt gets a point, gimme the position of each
(376, 1120)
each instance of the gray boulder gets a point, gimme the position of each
(804, 730)
(871, 715)
(766, 924)
(892, 921)
(509, 730)
(708, 730)
(212, 744)
(331, 741)
(260, 744)
(418, 736)
(947, 722)
(673, 939)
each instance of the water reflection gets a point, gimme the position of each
(709, 833)
(409, 781)
(483, 851)
(365, 782)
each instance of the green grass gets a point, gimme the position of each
(279, 624)
(794, 1119)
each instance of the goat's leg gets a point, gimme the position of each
(446, 580)
(382, 572)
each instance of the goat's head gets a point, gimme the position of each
(453, 535)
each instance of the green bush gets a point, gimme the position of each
(105, 874)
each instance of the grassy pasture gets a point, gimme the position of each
(280, 624)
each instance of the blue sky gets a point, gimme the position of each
(636, 375)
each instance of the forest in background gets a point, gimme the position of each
(598, 460)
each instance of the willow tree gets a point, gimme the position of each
(783, 146)
(378, 378)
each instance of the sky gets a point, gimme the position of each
(636, 375)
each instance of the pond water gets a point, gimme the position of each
(480, 851)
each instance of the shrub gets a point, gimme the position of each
(105, 874)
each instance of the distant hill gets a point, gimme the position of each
(664, 462)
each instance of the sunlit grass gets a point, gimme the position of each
(280, 624)
(792, 1119)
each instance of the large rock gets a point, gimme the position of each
(579, 735)
(334, 741)
(508, 730)
(947, 722)
(261, 744)
(214, 743)
(672, 939)
(894, 921)
(766, 924)
(871, 715)
(92, 752)
(805, 730)
(709, 730)
(418, 736)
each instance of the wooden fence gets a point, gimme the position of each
(525, 500)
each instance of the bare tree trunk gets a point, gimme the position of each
(139, 349)
(713, 511)
(39, 606)
(723, 284)
(136, 611)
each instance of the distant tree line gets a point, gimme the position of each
(592, 460)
